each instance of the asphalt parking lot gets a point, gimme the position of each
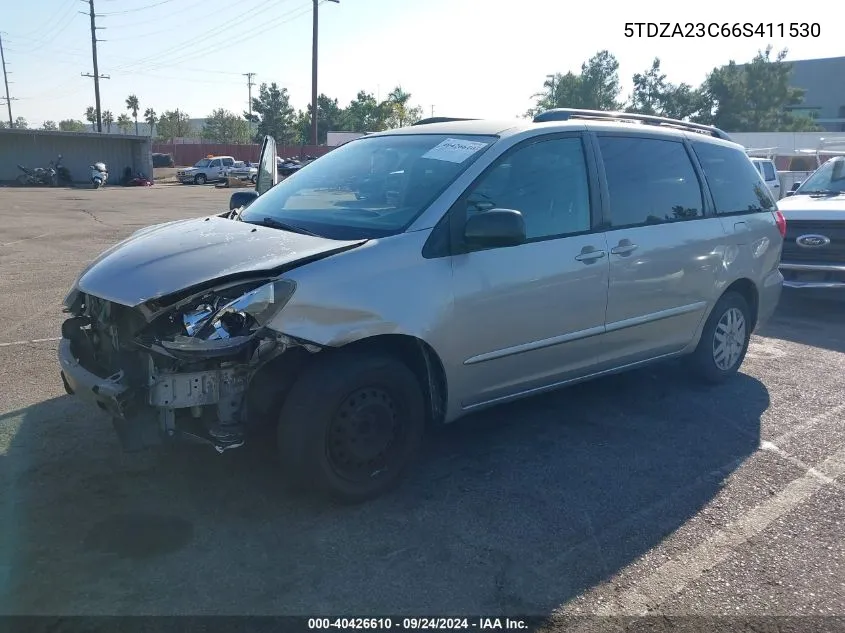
(640, 493)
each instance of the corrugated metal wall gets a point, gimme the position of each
(37, 148)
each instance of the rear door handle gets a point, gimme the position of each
(739, 227)
(589, 256)
(623, 249)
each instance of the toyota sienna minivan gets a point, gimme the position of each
(412, 276)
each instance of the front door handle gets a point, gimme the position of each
(589, 256)
(624, 248)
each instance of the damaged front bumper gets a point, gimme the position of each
(199, 405)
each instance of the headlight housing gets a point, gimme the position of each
(216, 321)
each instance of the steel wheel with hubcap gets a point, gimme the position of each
(199, 179)
(724, 339)
(351, 425)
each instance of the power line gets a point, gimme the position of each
(135, 10)
(6, 81)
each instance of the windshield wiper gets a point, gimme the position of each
(278, 224)
(822, 192)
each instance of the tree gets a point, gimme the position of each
(274, 114)
(133, 106)
(91, 117)
(71, 125)
(108, 119)
(174, 124)
(223, 126)
(755, 97)
(124, 122)
(20, 124)
(364, 114)
(397, 109)
(150, 118)
(597, 87)
(50, 126)
(653, 95)
(329, 117)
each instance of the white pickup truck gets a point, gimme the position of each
(211, 169)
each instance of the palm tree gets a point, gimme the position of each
(91, 117)
(133, 106)
(124, 122)
(150, 117)
(108, 119)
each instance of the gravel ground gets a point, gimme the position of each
(639, 493)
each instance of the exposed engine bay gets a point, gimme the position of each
(178, 365)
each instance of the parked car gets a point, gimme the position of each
(511, 259)
(162, 160)
(209, 169)
(242, 171)
(769, 172)
(814, 251)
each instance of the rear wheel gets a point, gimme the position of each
(200, 179)
(724, 340)
(351, 425)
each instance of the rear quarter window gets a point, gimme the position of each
(736, 185)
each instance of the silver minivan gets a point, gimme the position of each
(412, 276)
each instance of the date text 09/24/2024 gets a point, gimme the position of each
(723, 29)
(417, 623)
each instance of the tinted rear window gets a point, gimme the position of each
(734, 182)
(650, 181)
(769, 171)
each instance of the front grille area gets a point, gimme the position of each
(109, 338)
(833, 253)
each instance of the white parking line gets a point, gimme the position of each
(675, 575)
(35, 340)
(24, 239)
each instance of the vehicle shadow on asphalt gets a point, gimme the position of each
(513, 510)
(808, 321)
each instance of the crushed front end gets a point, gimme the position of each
(175, 366)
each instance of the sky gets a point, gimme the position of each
(471, 58)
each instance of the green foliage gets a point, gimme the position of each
(50, 126)
(133, 105)
(91, 117)
(174, 124)
(364, 114)
(108, 119)
(223, 126)
(596, 87)
(150, 117)
(397, 109)
(274, 114)
(124, 123)
(654, 95)
(71, 125)
(755, 97)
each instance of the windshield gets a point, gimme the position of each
(205, 162)
(367, 188)
(829, 178)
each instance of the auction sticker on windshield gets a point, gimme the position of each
(454, 150)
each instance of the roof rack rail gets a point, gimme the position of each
(440, 119)
(564, 114)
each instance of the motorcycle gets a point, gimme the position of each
(62, 173)
(99, 175)
(138, 180)
(37, 176)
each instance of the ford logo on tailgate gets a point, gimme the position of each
(812, 241)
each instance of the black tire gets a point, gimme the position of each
(711, 361)
(328, 431)
(200, 179)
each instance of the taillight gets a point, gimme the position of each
(781, 222)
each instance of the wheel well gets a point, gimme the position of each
(420, 358)
(746, 288)
(271, 384)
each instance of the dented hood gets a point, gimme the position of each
(167, 258)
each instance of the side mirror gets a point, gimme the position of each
(241, 199)
(497, 227)
(793, 189)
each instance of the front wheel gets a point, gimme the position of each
(351, 425)
(23, 180)
(724, 340)
(200, 179)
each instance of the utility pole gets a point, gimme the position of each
(432, 111)
(314, 75)
(249, 86)
(6, 82)
(96, 76)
